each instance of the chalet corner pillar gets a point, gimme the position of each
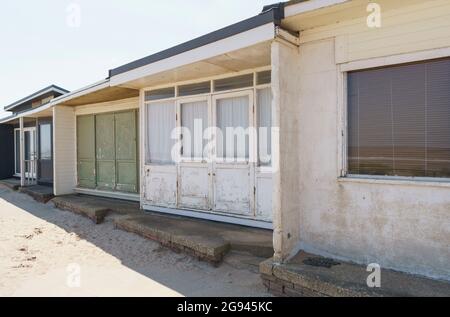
(286, 193)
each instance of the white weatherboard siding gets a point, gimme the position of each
(404, 30)
(64, 150)
(105, 107)
(402, 225)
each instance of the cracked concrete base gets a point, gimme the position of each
(205, 240)
(301, 277)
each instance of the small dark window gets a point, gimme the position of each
(194, 89)
(233, 82)
(399, 120)
(158, 94)
(45, 141)
(264, 78)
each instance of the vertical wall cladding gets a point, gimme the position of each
(107, 151)
(7, 151)
(64, 150)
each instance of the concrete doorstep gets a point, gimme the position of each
(42, 194)
(95, 208)
(206, 240)
(307, 275)
(11, 183)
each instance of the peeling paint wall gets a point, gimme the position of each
(401, 225)
(286, 146)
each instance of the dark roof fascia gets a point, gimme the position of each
(5, 120)
(273, 14)
(35, 95)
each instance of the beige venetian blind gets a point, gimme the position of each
(399, 120)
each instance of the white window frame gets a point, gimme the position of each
(15, 148)
(261, 168)
(256, 171)
(208, 96)
(145, 110)
(189, 99)
(15, 153)
(251, 124)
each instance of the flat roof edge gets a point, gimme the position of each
(274, 15)
(36, 95)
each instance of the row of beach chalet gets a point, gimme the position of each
(305, 120)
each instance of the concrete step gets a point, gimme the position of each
(79, 205)
(96, 208)
(172, 235)
(11, 183)
(308, 275)
(42, 194)
(206, 240)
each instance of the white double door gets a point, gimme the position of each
(215, 172)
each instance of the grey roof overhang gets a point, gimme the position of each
(271, 14)
(47, 91)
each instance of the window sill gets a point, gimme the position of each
(417, 182)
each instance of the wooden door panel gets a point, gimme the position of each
(86, 151)
(161, 186)
(105, 151)
(126, 151)
(232, 190)
(194, 187)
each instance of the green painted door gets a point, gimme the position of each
(126, 152)
(108, 151)
(86, 151)
(105, 151)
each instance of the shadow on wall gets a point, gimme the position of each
(7, 151)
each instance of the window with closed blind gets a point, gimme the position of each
(399, 120)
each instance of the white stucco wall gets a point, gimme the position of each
(401, 225)
(285, 83)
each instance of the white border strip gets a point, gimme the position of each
(107, 194)
(307, 6)
(211, 217)
(396, 59)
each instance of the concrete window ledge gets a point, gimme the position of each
(400, 181)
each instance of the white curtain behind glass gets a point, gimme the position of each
(160, 124)
(233, 113)
(194, 118)
(264, 126)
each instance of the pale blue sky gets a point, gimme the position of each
(39, 48)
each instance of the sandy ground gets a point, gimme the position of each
(49, 252)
